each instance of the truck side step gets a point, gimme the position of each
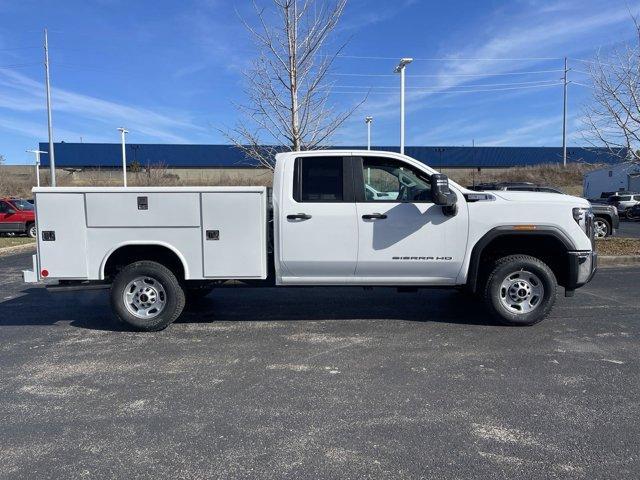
(72, 286)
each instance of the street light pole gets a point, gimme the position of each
(37, 154)
(564, 115)
(368, 121)
(123, 131)
(52, 158)
(400, 69)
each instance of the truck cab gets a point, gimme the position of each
(334, 228)
(338, 218)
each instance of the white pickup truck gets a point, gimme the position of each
(336, 218)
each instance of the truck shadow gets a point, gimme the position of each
(90, 309)
(402, 221)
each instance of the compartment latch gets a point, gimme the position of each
(143, 203)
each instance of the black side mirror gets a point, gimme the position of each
(442, 195)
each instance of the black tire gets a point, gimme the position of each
(31, 230)
(529, 272)
(604, 224)
(168, 291)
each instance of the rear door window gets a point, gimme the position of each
(319, 179)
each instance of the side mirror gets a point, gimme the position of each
(10, 211)
(442, 195)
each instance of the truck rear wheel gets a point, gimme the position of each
(147, 296)
(31, 230)
(520, 290)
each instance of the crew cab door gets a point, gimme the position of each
(404, 238)
(317, 220)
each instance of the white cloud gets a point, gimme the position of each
(533, 30)
(23, 94)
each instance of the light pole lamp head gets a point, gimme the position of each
(403, 63)
(123, 130)
(368, 119)
(37, 154)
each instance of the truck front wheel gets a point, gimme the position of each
(520, 290)
(147, 296)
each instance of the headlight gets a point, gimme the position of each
(584, 217)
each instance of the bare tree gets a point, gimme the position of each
(1, 159)
(287, 87)
(613, 118)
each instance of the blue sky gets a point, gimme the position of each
(171, 71)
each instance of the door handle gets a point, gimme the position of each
(299, 216)
(374, 216)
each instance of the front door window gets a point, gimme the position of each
(387, 180)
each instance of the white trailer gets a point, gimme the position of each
(155, 247)
(613, 178)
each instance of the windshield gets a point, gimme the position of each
(22, 204)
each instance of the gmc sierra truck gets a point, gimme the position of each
(336, 218)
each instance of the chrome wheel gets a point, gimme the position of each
(521, 292)
(144, 297)
(32, 231)
(600, 228)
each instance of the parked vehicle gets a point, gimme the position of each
(17, 216)
(157, 246)
(633, 213)
(623, 202)
(606, 220)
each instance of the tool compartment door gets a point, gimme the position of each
(60, 218)
(234, 234)
(142, 209)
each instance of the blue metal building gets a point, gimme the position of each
(108, 155)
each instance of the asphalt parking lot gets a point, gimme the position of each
(320, 383)
(629, 229)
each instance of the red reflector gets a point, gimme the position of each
(44, 273)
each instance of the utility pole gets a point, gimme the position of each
(123, 131)
(52, 159)
(564, 116)
(37, 154)
(400, 69)
(368, 121)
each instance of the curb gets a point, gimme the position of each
(17, 249)
(619, 261)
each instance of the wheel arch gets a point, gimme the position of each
(128, 252)
(539, 242)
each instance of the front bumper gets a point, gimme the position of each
(615, 223)
(582, 268)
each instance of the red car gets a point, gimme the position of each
(17, 216)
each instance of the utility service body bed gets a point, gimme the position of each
(215, 232)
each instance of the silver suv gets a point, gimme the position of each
(624, 202)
